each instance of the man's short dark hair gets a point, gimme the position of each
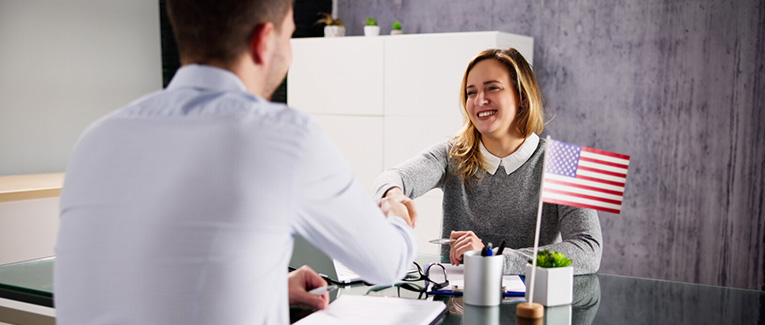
(219, 31)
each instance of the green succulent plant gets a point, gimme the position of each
(551, 258)
(397, 25)
(328, 20)
(371, 21)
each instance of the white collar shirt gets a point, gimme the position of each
(512, 162)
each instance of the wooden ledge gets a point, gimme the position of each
(35, 186)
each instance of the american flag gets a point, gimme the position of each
(584, 177)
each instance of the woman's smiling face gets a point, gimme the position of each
(492, 101)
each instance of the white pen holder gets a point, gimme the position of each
(483, 279)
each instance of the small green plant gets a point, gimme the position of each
(551, 258)
(371, 22)
(396, 26)
(328, 20)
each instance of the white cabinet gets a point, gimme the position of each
(384, 99)
(423, 72)
(340, 76)
(29, 229)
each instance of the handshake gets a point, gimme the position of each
(395, 204)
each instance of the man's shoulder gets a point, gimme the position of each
(282, 112)
(236, 105)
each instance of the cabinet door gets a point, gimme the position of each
(29, 229)
(342, 76)
(360, 140)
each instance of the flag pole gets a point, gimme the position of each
(532, 311)
(539, 225)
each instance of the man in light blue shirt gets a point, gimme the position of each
(181, 208)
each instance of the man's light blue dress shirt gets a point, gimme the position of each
(181, 209)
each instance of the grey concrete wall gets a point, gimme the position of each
(678, 85)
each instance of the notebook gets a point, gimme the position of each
(303, 253)
(352, 309)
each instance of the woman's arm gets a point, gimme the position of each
(416, 176)
(581, 242)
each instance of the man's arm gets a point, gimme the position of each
(335, 214)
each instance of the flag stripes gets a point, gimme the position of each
(584, 177)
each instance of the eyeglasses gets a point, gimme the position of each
(434, 276)
(399, 285)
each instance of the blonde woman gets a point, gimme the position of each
(490, 172)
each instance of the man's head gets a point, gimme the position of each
(224, 32)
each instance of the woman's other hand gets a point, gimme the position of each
(464, 241)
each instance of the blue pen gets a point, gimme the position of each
(489, 249)
(445, 293)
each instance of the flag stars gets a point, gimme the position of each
(563, 158)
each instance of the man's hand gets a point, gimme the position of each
(300, 282)
(395, 195)
(465, 241)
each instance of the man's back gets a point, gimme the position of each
(180, 208)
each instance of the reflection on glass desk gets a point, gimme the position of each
(29, 281)
(598, 299)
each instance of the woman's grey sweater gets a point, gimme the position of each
(500, 207)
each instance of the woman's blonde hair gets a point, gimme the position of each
(465, 150)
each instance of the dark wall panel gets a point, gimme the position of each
(679, 85)
(305, 13)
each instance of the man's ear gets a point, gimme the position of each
(260, 43)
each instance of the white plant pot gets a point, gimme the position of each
(334, 31)
(396, 32)
(371, 30)
(553, 286)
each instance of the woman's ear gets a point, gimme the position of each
(261, 44)
(523, 104)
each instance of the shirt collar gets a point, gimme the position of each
(512, 162)
(206, 77)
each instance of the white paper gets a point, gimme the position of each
(367, 310)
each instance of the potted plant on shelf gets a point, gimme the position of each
(371, 28)
(554, 280)
(333, 27)
(396, 29)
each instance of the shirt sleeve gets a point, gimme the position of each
(416, 176)
(335, 214)
(581, 242)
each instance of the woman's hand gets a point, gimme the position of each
(300, 282)
(465, 241)
(397, 195)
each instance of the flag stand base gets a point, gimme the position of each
(530, 310)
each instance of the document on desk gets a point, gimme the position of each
(456, 276)
(350, 309)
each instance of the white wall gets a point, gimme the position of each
(64, 64)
